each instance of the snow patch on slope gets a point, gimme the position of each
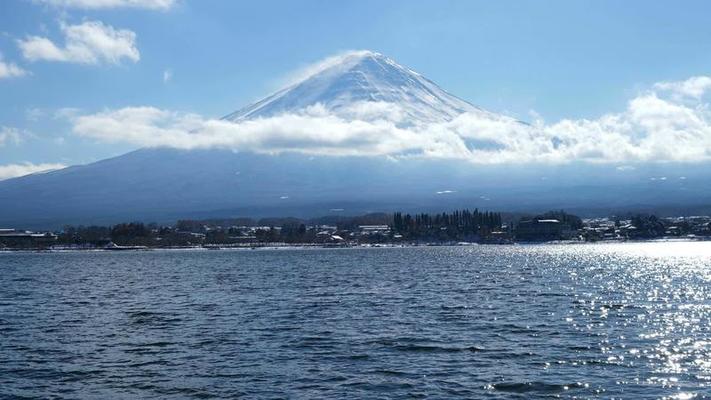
(360, 83)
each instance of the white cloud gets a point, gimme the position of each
(652, 128)
(14, 170)
(90, 42)
(317, 134)
(694, 87)
(167, 75)
(34, 114)
(10, 70)
(9, 135)
(99, 4)
(66, 113)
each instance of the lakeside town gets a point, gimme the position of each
(455, 228)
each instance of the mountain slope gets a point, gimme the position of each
(164, 185)
(358, 79)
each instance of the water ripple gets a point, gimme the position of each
(569, 321)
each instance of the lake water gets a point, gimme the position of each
(587, 321)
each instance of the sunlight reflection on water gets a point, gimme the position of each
(623, 320)
(662, 290)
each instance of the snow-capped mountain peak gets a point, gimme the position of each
(358, 84)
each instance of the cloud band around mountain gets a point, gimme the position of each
(669, 123)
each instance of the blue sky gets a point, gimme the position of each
(559, 59)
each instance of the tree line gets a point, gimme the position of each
(457, 225)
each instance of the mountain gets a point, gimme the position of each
(359, 78)
(164, 184)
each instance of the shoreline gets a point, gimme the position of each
(306, 246)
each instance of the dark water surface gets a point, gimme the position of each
(587, 321)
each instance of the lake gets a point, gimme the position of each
(624, 320)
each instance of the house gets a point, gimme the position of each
(374, 229)
(26, 239)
